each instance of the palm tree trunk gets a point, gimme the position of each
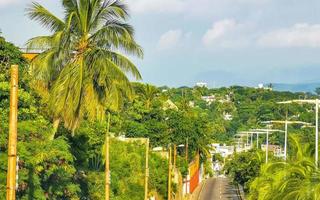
(56, 122)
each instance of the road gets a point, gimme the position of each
(219, 189)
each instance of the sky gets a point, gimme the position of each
(221, 42)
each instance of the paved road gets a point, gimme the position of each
(219, 189)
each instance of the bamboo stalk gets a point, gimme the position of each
(12, 143)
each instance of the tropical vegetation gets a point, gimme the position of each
(81, 76)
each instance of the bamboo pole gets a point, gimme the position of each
(169, 174)
(12, 143)
(147, 170)
(174, 156)
(107, 167)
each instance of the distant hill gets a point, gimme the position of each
(298, 87)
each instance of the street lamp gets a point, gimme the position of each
(253, 132)
(267, 132)
(316, 102)
(286, 122)
(241, 134)
(237, 141)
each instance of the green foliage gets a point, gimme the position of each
(243, 167)
(10, 55)
(296, 179)
(158, 175)
(72, 166)
(82, 69)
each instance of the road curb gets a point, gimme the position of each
(202, 186)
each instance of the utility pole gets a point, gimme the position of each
(317, 134)
(174, 156)
(147, 171)
(316, 102)
(187, 146)
(169, 175)
(267, 147)
(285, 139)
(267, 132)
(107, 166)
(286, 123)
(241, 133)
(12, 143)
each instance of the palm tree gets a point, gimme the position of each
(148, 94)
(82, 66)
(297, 179)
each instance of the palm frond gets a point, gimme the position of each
(117, 36)
(44, 42)
(39, 13)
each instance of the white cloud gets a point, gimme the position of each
(162, 6)
(7, 2)
(218, 31)
(196, 7)
(170, 39)
(226, 33)
(299, 35)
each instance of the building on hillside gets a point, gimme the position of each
(223, 150)
(169, 105)
(227, 116)
(261, 86)
(226, 99)
(191, 104)
(276, 149)
(209, 99)
(202, 84)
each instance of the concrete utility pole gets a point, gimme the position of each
(240, 135)
(317, 133)
(169, 174)
(286, 122)
(107, 165)
(147, 171)
(267, 131)
(267, 150)
(12, 143)
(174, 156)
(316, 103)
(187, 149)
(253, 132)
(145, 141)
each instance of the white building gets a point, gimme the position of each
(202, 84)
(208, 99)
(224, 150)
(261, 86)
(227, 116)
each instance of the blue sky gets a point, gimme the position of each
(222, 42)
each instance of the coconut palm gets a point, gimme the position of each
(297, 179)
(148, 94)
(82, 64)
